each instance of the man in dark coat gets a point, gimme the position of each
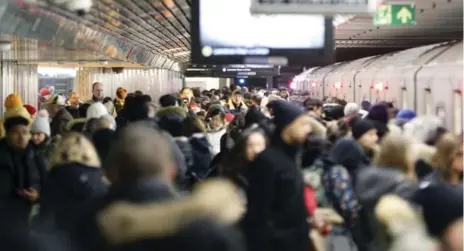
(20, 179)
(276, 217)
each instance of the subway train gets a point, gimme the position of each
(427, 79)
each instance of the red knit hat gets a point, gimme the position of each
(30, 109)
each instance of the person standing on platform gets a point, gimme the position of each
(276, 217)
(98, 96)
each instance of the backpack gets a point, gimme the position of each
(312, 177)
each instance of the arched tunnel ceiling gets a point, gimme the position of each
(163, 26)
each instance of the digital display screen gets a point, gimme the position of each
(228, 28)
(225, 32)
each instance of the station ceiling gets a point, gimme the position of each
(160, 30)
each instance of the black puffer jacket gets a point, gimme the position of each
(68, 187)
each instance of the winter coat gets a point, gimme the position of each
(197, 235)
(103, 140)
(372, 184)
(59, 124)
(18, 170)
(67, 188)
(276, 213)
(201, 155)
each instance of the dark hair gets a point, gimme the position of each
(196, 92)
(147, 98)
(310, 104)
(82, 110)
(234, 162)
(168, 100)
(11, 122)
(137, 109)
(91, 126)
(138, 93)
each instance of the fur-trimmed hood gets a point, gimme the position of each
(171, 110)
(216, 200)
(74, 148)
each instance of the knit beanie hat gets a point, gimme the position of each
(172, 123)
(379, 113)
(13, 101)
(366, 105)
(361, 127)
(406, 114)
(30, 109)
(442, 204)
(41, 123)
(96, 110)
(285, 113)
(17, 112)
(351, 109)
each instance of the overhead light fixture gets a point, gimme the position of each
(104, 62)
(182, 53)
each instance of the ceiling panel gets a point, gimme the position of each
(162, 27)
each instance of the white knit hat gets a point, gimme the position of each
(96, 110)
(41, 123)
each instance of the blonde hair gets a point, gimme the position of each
(395, 152)
(447, 147)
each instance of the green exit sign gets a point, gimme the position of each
(395, 14)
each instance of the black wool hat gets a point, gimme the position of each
(442, 204)
(361, 127)
(285, 113)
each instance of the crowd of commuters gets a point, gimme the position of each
(229, 169)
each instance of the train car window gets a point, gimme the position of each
(428, 101)
(404, 98)
(458, 117)
(441, 112)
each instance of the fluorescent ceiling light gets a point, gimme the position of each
(339, 19)
(180, 54)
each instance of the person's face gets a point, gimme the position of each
(52, 109)
(237, 99)
(38, 138)
(98, 91)
(186, 94)
(369, 139)
(283, 94)
(297, 132)
(216, 122)
(18, 136)
(256, 143)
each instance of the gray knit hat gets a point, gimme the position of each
(41, 123)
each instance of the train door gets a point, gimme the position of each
(457, 116)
